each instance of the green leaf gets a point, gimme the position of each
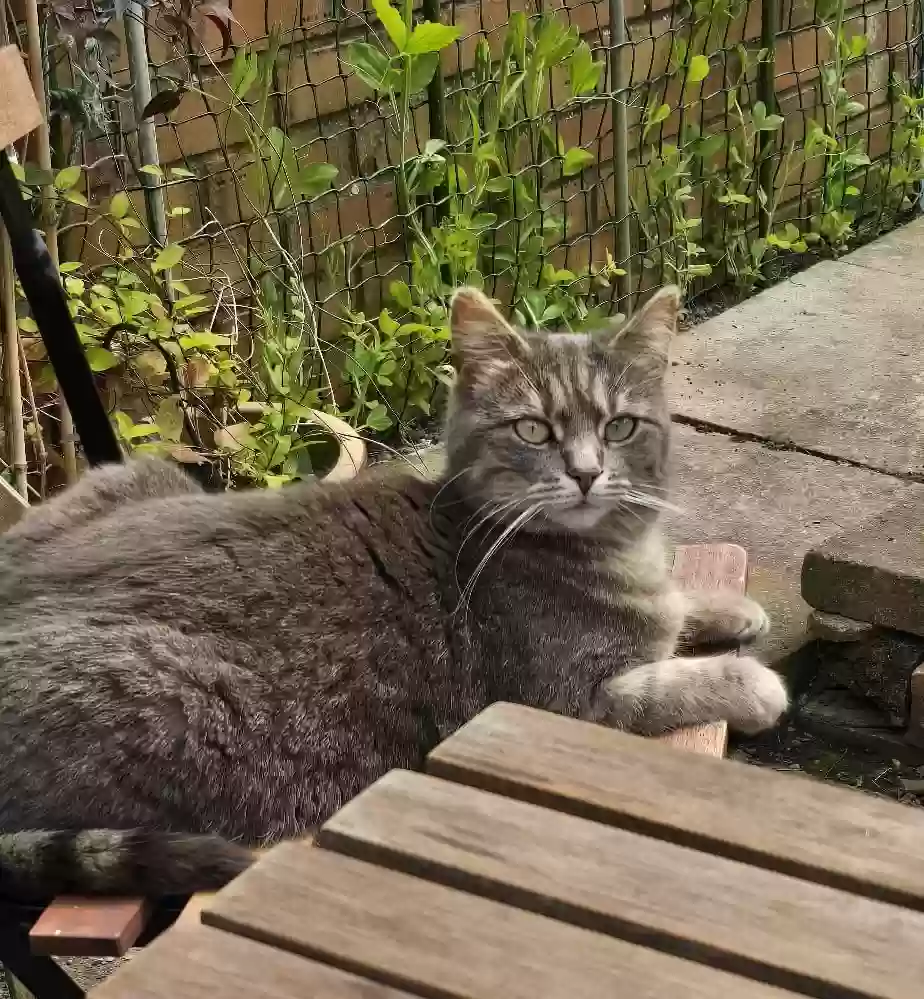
(392, 22)
(857, 159)
(386, 324)
(575, 161)
(585, 72)
(68, 177)
(151, 169)
(76, 198)
(100, 359)
(698, 69)
(431, 37)
(655, 115)
(423, 69)
(243, 73)
(771, 123)
(182, 172)
(379, 418)
(168, 257)
(27, 325)
(400, 292)
(314, 179)
(70, 266)
(119, 205)
(169, 417)
(369, 63)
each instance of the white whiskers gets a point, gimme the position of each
(519, 521)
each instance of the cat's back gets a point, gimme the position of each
(197, 547)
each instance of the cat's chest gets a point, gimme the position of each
(557, 616)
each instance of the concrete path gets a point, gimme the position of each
(802, 415)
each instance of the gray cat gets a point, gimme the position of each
(185, 676)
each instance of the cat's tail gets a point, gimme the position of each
(42, 864)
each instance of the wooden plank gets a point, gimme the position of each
(710, 739)
(707, 567)
(784, 822)
(198, 962)
(711, 567)
(791, 933)
(88, 927)
(20, 113)
(438, 942)
(12, 505)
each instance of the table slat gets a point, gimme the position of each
(778, 929)
(198, 962)
(434, 941)
(784, 822)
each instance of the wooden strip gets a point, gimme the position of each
(710, 739)
(12, 505)
(707, 567)
(784, 822)
(20, 113)
(778, 929)
(88, 927)
(198, 962)
(711, 567)
(437, 942)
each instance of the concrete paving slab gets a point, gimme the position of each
(777, 505)
(873, 572)
(828, 360)
(900, 251)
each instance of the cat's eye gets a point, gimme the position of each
(533, 431)
(619, 430)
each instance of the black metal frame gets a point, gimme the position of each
(42, 286)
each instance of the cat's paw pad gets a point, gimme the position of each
(760, 695)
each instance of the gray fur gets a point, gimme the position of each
(243, 664)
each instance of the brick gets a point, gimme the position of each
(874, 573)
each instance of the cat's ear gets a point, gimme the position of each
(651, 329)
(480, 334)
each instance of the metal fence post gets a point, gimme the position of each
(766, 92)
(621, 202)
(436, 108)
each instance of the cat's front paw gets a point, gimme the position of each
(759, 697)
(722, 616)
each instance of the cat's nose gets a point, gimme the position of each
(585, 477)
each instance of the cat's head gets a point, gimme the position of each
(574, 427)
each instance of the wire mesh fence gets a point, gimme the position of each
(320, 186)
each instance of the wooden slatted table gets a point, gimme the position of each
(545, 857)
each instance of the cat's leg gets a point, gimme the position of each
(665, 695)
(719, 616)
(100, 491)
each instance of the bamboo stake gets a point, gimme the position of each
(16, 431)
(38, 442)
(43, 148)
